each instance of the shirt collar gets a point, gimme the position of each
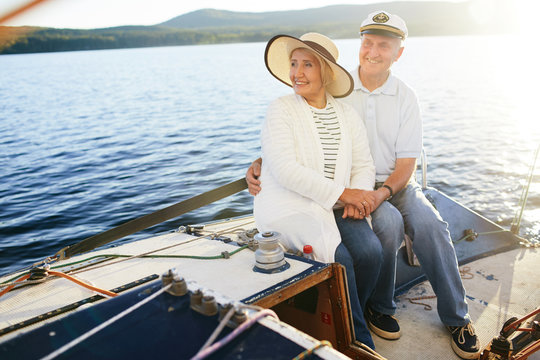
(388, 88)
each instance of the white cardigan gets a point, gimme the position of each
(296, 198)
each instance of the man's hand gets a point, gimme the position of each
(252, 177)
(379, 196)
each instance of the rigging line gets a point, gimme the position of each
(107, 257)
(217, 330)
(224, 322)
(516, 223)
(24, 271)
(27, 282)
(10, 283)
(81, 283)
(480, 233)
(102, 326)
(153, 251)
(244, 326)
(516, 323)
(11, 286)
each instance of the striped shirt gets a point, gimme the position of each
(330, 135)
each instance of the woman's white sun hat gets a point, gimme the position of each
(277, 59)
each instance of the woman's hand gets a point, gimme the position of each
(252, 175)
(362, 200)
(353, 212)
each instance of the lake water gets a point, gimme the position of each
(90, 140)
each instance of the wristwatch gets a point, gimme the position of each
(389, 189)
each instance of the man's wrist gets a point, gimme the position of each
(390, 191)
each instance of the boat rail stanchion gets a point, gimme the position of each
(423, 167)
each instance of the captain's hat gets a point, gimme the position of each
(386, 24)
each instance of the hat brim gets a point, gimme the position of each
(276, 58)
(384, 30)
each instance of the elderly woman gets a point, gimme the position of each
(316, 166)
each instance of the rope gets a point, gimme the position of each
(415, 301)
(102, 326)
(79, 282)
(220, 327)
(161, 249)
(309, 352)
(23, 270)
(464, 272)
(223, 255)
(8, 289)
(224, 322)
(478, 234)
(10, 284)
(519, 321)
(244, 326)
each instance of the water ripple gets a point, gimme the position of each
(93, 139)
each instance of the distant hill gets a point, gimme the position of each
(208, 26)
(422, 17)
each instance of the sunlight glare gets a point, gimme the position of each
(520, 72)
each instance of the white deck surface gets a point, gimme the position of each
(233, 278)
(501, 287)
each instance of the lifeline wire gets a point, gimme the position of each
(223, 322)
(245, 325)
(516, 223)
(220, 327)
(98, 328)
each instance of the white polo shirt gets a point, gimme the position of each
(391, 115)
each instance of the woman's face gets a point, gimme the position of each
(305, 75)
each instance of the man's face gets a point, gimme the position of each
(378, 53)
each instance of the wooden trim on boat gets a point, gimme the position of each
(319, 306)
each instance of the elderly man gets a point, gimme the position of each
(390, 111)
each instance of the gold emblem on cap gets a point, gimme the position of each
(381, 18)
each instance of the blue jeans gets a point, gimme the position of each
(410, 212)
(361, 253)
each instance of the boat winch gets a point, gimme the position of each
(269, 257)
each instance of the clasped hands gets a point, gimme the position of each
(358, 203)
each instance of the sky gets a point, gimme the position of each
(87, 14)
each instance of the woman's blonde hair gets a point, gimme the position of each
(327, 75)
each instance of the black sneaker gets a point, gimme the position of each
(386, 326)
(465, 342)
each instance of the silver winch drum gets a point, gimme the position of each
(269, 257)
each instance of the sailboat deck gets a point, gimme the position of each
(498, 288)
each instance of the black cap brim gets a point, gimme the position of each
(382, 33)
